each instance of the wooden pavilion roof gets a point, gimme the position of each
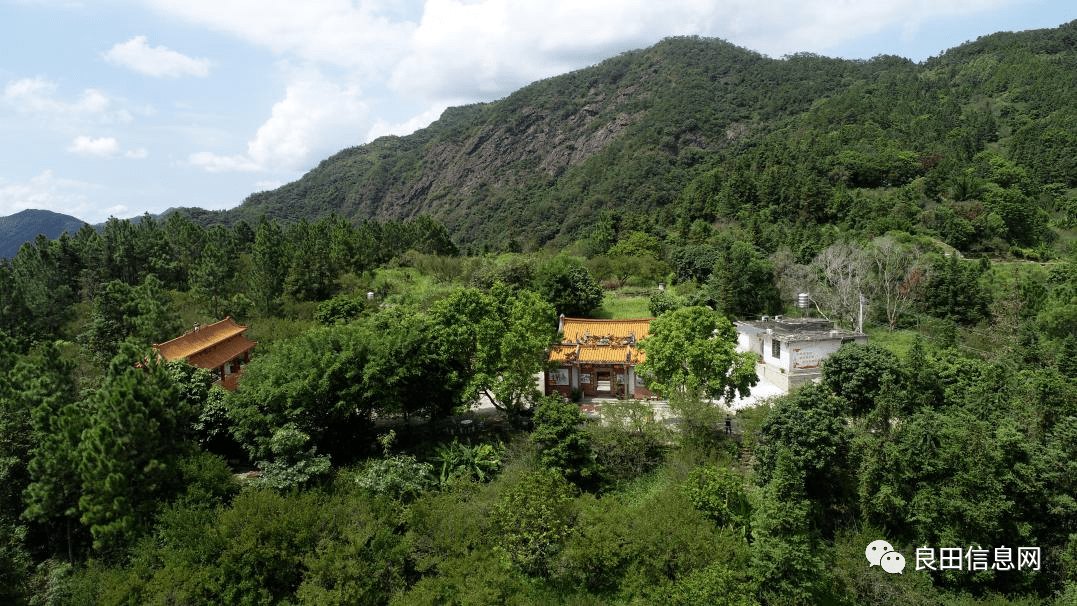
(208, 346)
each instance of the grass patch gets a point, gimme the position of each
(268, 330)
(898, 341)
(641, 490)
(620, 305)
(407, 286)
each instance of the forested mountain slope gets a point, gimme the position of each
(24, 226)
(701, 129)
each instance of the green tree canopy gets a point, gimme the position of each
(58, 418)
(953, 290)
(269, 267)
(406, 371)
(138, 430)
(785, 553)
(808, 426)
(742, 282)
(313, 382)
(496, 342)
(567, 285)
(563, 444)
(143, 313)
(855, 374)
(692, 350)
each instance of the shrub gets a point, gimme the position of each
(718, 493)
(467, 462)
(535, 516)
(400, 477)
(292, 465)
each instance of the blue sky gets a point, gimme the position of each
(119, 107)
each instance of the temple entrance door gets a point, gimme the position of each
(603, 381)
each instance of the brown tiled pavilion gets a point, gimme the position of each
(221, 347)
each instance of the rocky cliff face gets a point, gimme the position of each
(460, 168)
(535, 145)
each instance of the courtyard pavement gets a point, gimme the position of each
(763, 390)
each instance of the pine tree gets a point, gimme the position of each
(786, 565)
(312, 276)
(143, 313)
(214, 274)
(269, 266)
(138, 429)
(58, 418)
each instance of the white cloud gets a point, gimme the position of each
(158, 61)
(362, 34)
(488, 48)
(316, 117)
(383, 127)
(780, 28)
(38, 95)
(101, 147)
(216, 163)
(49, 192)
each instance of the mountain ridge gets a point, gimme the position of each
(25, 225)
(628, 136)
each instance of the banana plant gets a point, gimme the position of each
(468, 461)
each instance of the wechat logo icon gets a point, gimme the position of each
(880, 553)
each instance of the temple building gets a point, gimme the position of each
(221, 347)
(598, 357)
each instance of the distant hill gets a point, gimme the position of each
(24, 226)
(699, 129)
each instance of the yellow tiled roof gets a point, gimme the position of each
(563, 353)
(222, 352)
(201, 339)
(601, 341)
(610, 354)
(576, 328)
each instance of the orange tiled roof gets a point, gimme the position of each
(575, 329)
(217, 355)
(601, 341)
(610, 354)
(564, 353)
(208, 346)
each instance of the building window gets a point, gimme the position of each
(775, 348)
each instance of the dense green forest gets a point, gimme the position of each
(942, 192)
(956, 427)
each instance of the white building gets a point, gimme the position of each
(792, 351)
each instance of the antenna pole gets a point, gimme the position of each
(860, 319)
